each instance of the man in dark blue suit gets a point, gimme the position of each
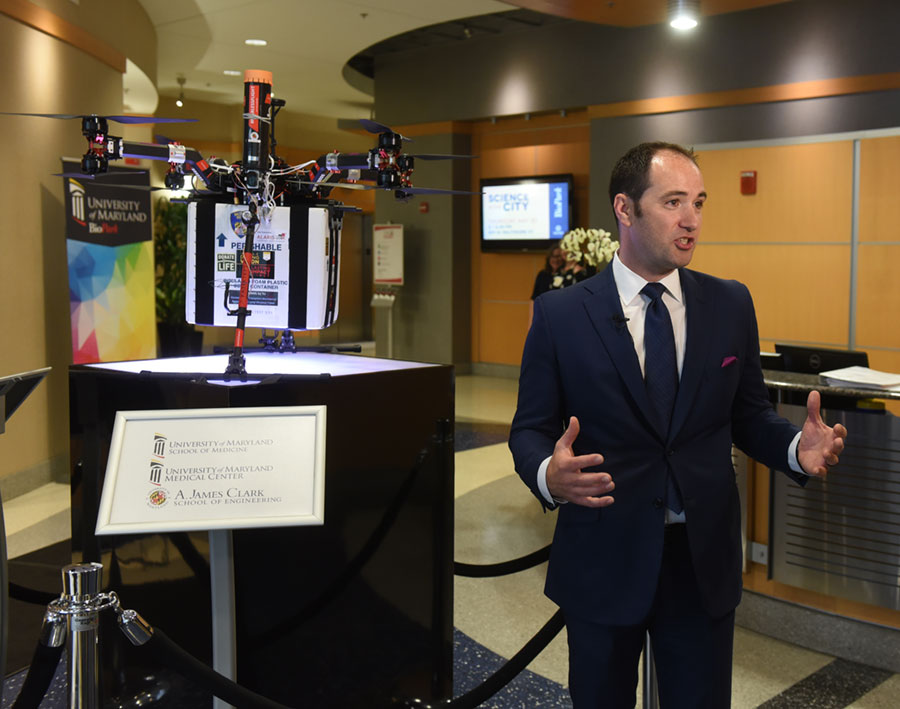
(641, 389)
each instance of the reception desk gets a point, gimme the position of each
(354, 613)
(833, 544)
(841, 535)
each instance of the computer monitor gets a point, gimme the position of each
(772, 360)
(813, 360)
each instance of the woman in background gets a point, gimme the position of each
(545, 278)
(553, 264)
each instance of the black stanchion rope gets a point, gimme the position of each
(40, 674)
(165, 652)
(354, 566)
(513, 666)
(30, 595)
(480, 571)
(168, 654)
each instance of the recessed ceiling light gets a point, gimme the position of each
(231, 72)
(256, 42)
(684, 14)
(683, 23)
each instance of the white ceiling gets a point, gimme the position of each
(309, 42)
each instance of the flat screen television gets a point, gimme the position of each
(525, 213)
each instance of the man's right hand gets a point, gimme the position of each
(565, 481)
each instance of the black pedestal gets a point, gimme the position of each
(355, 613)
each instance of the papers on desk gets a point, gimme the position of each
(862, 378)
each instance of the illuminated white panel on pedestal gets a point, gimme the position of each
(310, 363)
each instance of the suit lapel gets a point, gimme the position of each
(699, 311)
(604, 308)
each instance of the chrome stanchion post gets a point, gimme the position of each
(135, 628)
(81, 587)
(221, 573)
(53, 629)
(651, 697)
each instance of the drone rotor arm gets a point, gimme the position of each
(172, 153)
(337, 162)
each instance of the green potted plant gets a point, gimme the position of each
(175, 336)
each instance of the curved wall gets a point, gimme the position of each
(578, 64)
(121, 24)
(49, 75)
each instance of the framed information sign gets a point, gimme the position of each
(387, 242)
(206, 469)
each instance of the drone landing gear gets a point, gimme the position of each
(270, 343)
(287, 342)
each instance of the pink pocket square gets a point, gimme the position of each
(728, 361)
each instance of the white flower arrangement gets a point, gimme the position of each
(589, 247)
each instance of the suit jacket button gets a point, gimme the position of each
(670, 453)
(658, 502)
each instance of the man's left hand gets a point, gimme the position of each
(819, 445)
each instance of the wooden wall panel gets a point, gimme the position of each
(801, 293)
(804, 193)
(550, 136)
(504, 162)
(878, 289)
(879, 189)
(878, 296)
(509, 277)
(502, 332)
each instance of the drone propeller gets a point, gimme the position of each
(139, 188)
(85, 176)
(442, 157)
(133, 120)
(407, 190)
(191, 195)
(375, 127)
(344, 185)
(429, 190)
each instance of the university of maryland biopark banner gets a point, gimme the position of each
(109, 234)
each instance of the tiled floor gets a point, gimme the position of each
(497, 519)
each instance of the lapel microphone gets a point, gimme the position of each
(619, 321)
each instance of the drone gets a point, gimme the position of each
(261, 180)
